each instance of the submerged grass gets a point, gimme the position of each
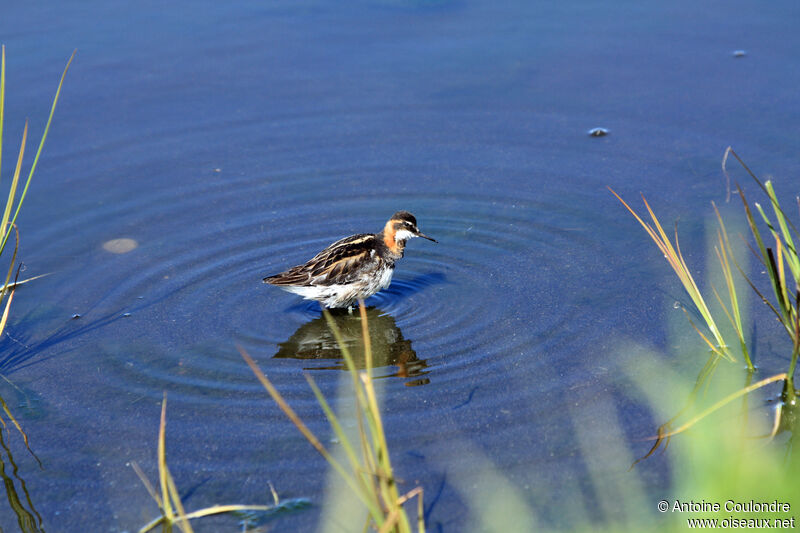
(368, 473)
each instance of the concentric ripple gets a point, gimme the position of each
(203, 247)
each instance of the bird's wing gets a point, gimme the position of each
(340, 262)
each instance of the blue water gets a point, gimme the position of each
(233, 141)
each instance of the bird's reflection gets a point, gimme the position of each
(314, 340)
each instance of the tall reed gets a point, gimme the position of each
(368, 472)
(8, 220)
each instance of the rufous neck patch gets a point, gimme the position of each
(389, 232)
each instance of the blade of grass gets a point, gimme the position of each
(147, 485)
(724, 254)
(730, 151)
(41, 146)
(7, 285)
(420, 513)
(334, 420)
(723, 402)
(173, 498)
(339, 431)
(782, 273)
(785, 312)
(307, 433)
(716, 350)
(676, 260)
(768, 260)
(389, 486)
(758, 292)
(373, 481)
(5, 312)
(753, 227)
(360, 396)
(778, 287)
(16, 284)
(702, 307)
(182, 521)
(5, 227)
(2, 100)
(365, 333)
(209, 511)
(791, 254)
(162, 462)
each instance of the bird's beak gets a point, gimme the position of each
(420, 234)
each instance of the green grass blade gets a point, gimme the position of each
(365, 334)
(360, 397)
(2, 100)
(348, 358)
(41, 146)
(335, 425)
(767, 221)
(5, 312)
(346, 355)
(791, 251)
(162, 463)
(700, 303)
(724, 401)
(730, 150)
(146, 482)
(420, 512)
(676, 260)
(724, 254)
(778, 286)
(731, 319)
(766, 258)
(307, 433)
(182, 521)
(753, 227)
(795, 354)
(764, 299)
(7, 285)
(5, 226)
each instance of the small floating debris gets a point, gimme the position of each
(598, 132)
(120, 246)
(739, 53)
(76, 316)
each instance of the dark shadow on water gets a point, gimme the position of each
(188, 493)
(19, 349)
(314, 341)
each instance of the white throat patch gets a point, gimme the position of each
(403, 235)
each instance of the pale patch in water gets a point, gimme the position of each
(120, 246)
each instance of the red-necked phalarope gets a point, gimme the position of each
(353, 268)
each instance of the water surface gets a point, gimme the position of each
(226, 143)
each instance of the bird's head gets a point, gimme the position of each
(401, 227)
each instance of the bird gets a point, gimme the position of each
(353, 268)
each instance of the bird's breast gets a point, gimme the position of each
(385, 278)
